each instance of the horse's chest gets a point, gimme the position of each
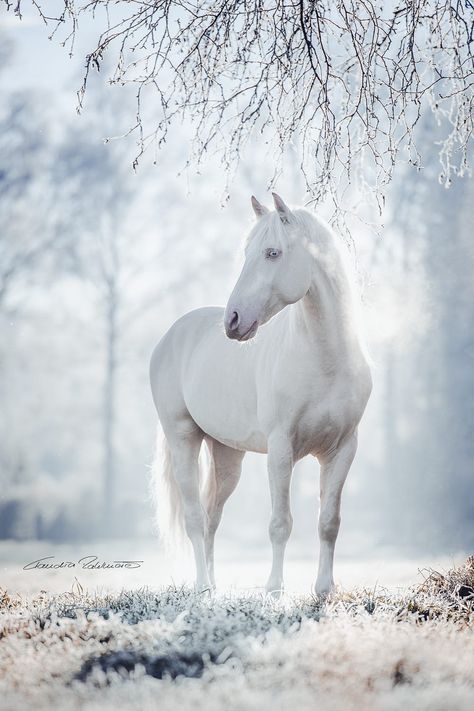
(318, 414)
(318, 428)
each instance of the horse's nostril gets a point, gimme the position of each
(234, 321)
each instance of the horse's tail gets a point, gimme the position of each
(169, 514)
(167, 499)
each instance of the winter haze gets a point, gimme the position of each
(97, 261)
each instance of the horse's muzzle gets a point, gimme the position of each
(233, 328)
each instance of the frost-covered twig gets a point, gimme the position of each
(344, 81)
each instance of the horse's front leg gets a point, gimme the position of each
(280, 468)
(334, 470)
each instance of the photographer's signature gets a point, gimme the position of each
(88, 562)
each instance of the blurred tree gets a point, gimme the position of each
(97, 185)
(26, 238)
(430, 390)
(31, 240)
(63, 203)
(446, 357)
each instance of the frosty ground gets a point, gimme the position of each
(171, 648)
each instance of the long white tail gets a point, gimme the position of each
(167, 499)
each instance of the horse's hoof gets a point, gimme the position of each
(207, 588)
(322, 592)
(274, 591)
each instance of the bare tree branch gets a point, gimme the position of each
(345, 81)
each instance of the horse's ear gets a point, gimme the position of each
(258, 208)
(282, 209)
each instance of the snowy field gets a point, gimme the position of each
(124, 639)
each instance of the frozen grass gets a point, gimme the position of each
(173, 649)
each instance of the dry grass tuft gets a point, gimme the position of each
(457, 583)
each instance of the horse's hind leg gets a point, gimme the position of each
(334, 470)
(185, 444)
(223, 477)
(280, 468)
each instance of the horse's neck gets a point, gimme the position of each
(327, 310)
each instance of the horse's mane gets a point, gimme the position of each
(268, 232)
(334, 256)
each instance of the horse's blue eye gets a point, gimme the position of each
(272, 253)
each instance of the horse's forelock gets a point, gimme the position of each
(269, 231)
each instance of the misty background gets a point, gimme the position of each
(97, 261)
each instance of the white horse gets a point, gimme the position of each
(300, 388)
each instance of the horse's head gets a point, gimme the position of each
(276, 272)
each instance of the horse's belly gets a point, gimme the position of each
(223, 420)
(247, 442)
